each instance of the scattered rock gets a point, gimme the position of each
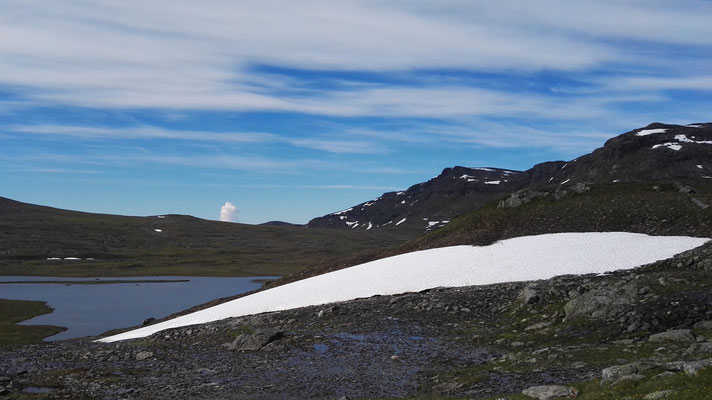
(550, 392)
(148, 321)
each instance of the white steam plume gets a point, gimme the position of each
(227, 212)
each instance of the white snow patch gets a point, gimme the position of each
(484, 169)
(352, 224)
(684, 139)
(707, 177)
(519, 259)
(342, 217)
(161, 216)
(646, 132)
(72, 258)
(564, 165)
(343, 211)
(53, 258)
(670, 145)
(403, 202)
(158, 230)
(700, 166)
(551, 179)
(400, 222)
(399, 193)
(466, 177)
(432, 223)
(695, 126)
(616, 180)
(566, 181)
(370, 225)
(368, 204)
(492, 182)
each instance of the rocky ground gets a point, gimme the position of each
(645, 333)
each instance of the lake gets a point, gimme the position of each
(111, 303)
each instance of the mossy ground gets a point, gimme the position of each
(14, 311)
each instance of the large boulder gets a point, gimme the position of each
(678, 335)
(600, 304)
(550, 392)
(255, 341)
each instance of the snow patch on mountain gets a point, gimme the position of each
(519, 259)
(646, 132)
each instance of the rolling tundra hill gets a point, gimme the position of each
(38, 240)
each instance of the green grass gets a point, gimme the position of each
(14, 311)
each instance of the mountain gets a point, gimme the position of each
(657, 152)
(38, 240)
(427, 205)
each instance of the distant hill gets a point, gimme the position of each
(657, 152)
(38, 240)
(280, 223)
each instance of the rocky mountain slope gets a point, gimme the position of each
(636, 334)
(658, 152)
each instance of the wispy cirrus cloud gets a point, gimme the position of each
(176, 55)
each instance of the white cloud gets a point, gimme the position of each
(228, 212)
(184, 55)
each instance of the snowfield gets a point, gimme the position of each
(519, 259)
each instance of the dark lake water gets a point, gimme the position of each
(89, 310)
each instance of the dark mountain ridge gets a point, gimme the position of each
(657, 152)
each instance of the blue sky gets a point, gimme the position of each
(291, 110)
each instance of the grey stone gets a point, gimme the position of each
(601, 303)
(143, 355)
(550, 392)
(678, 335)
(255, 341)
(694, 367)
(447, 388)
(536, 327)
(699, 203)
(704, 325)
(620, 373)
(529, 295)
(700, 348)
(516, 199)
(660, 394)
